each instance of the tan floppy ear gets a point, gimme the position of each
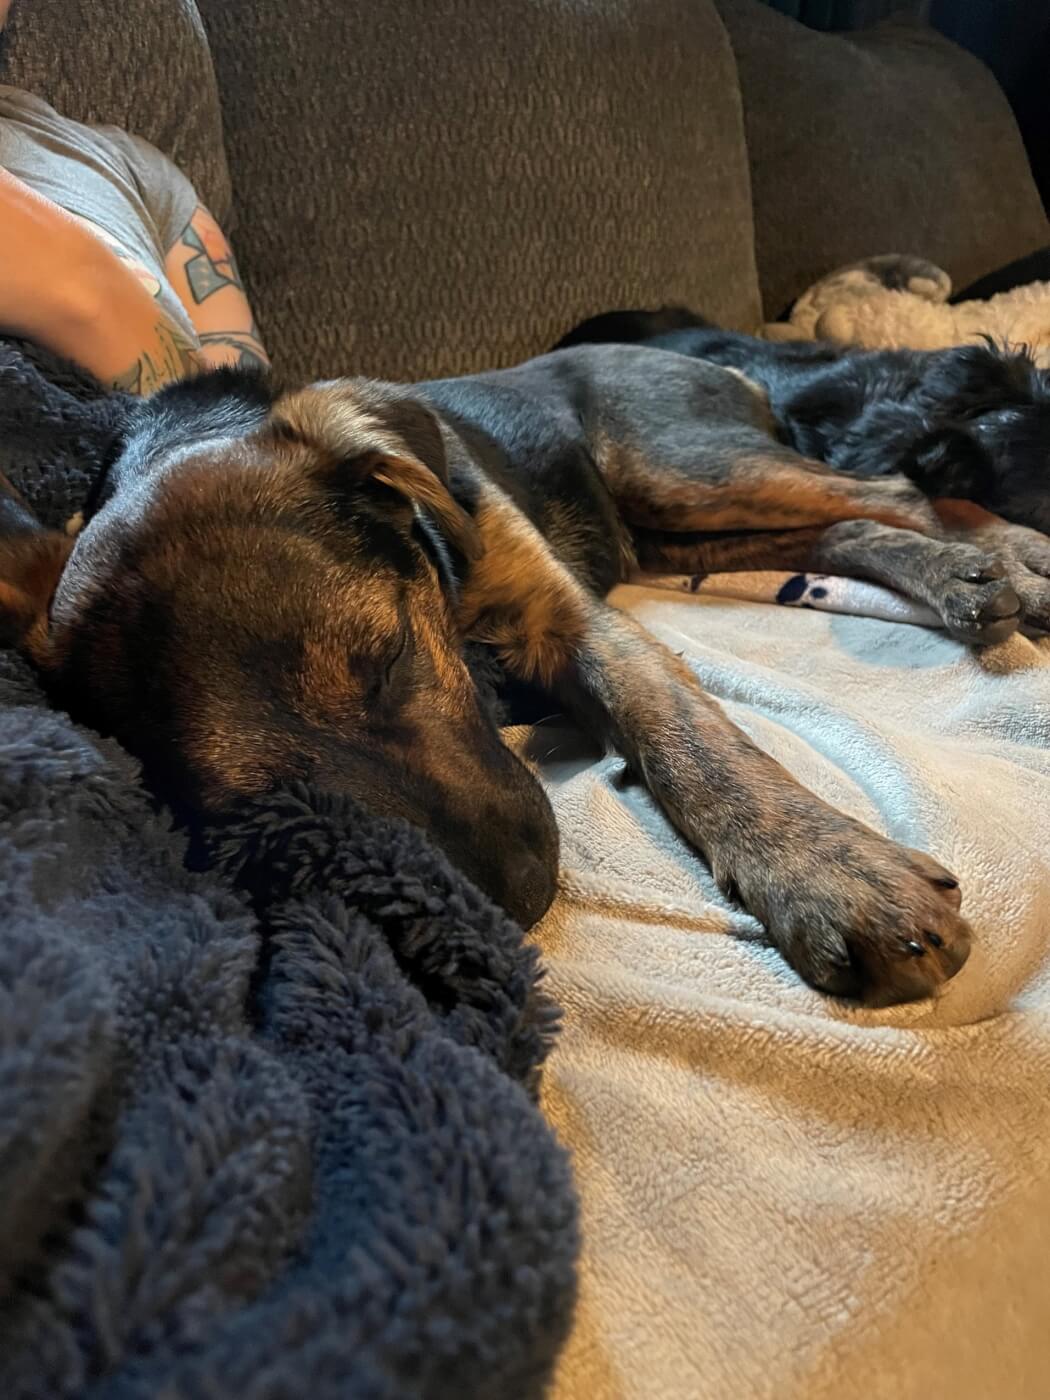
(373, 431)
(31, 561)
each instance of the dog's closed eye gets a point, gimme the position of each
(389, 669)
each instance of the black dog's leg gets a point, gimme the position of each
(729, 472)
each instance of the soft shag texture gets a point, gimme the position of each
(896, 301)
(266, 1126)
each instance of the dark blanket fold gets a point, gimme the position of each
(265, 1127)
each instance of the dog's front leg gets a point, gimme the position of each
(852, 912)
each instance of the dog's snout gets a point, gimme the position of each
(518, 867)
(477, 801)
(502, 834)
(536, 887)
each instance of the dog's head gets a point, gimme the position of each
(265, 591)
(972, 422)
(995, 405)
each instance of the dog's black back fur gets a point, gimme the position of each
(970, 422)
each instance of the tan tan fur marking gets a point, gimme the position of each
(518, 597)
(762, 493)
(330, 418)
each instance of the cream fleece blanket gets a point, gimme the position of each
(782, 1196)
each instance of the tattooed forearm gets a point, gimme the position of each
(212, 267)
(234, 348)
(205, 278)
(172, 356)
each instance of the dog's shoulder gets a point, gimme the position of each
(520, 435)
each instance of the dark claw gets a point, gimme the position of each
(915, 949)
(935, 938)
(984, 573)
(1005, 604)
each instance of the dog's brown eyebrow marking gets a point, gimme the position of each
(329, 418)
(329, 685)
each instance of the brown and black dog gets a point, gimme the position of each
(280, 587)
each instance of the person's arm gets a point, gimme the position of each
(202, 270)
(62, 287)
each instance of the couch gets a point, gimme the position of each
(781, 1196)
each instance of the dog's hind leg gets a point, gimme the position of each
(686, 445)
(745, 481)
(968, 587)
(694, 552)
(852, 911)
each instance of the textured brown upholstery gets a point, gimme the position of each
(429, 188)
(892, 140)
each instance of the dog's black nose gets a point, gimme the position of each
(533, 887)
(513, 857)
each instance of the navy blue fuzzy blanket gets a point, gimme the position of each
(265, 1125)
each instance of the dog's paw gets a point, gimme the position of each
(974, 595)
(858, 916)
(1022, 556)
(1027, 563)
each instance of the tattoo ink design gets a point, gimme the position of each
(212, 267)
(244, 348)
(175, 357)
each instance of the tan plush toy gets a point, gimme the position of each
(900, 301)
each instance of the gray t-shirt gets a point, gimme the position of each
(121, 186)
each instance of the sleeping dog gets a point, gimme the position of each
(272, 587)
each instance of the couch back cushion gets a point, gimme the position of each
(427, 189)
(890, 140)
(142, 65)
